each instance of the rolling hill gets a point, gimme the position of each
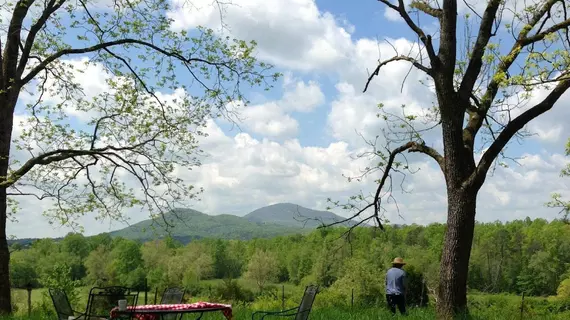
(187, 224)
(292, 215)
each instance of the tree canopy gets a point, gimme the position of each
(98, 148)
(492, 70)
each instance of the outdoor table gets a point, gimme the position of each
(155, 311)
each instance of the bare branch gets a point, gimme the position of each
(411, 146)
(426, 39)
(393, 59)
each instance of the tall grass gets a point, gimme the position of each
(359, 314)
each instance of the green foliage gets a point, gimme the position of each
(359, 276)
(59, 277)
(230, 290)
(22, 270)
(563, 290)
(528, 256)
(262, 268)
(417, 294)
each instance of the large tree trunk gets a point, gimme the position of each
(454, 267)
(6, 124)
(5, 296)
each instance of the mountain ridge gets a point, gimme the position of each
(185, 224)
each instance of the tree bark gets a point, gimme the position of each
(6, 125)
(5, 294)
(454, 267)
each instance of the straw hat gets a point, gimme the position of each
(398, 260)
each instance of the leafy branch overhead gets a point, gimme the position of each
(486, 83)
(82, 141)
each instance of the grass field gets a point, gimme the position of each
(482, 306)
(357, 314)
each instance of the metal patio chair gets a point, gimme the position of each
(300, 312)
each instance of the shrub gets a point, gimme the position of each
(230, 290)
(417, 294)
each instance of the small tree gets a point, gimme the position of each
(262, 268)
(485, 94)
(119, 148)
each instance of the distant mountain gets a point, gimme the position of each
(187, 224)
(292, 215)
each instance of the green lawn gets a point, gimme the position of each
(361, 314)
(482, 306)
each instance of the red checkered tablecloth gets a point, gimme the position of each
(226, 309)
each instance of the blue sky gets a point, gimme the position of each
(299, 141)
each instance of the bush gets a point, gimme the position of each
(230, 290)
(563, 290)
(417, 294)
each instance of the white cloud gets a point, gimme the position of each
(269, 120)
(290, 33)
(244, 171)
(301, 96)
(273, 119)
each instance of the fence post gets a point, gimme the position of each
(522, 305)
(145, 290)
(352, 298)
(29, 288)
(282, 297)
(155, 294)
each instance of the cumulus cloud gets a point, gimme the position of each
(269, 162)
(293, 34)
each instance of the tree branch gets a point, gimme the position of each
(50, 8)
(411, 146)
(539, 36)
(64, 154)
(109, 44)
(448, 44)
(476, 119)
(11, 52)
(426, 8)
(476, 61)
(414, 62)
(426, 39)
(477, 178)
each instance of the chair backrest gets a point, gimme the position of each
(172, 296)
(307, 302)
(61, 303)
(103, 300)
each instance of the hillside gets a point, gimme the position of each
(292, 215)
(187, 224)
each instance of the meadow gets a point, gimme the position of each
(482, 306)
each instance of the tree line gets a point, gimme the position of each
(530, 256)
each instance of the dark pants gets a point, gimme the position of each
(396, 300)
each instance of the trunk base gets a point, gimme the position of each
(452, 291)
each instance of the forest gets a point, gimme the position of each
(522, 256)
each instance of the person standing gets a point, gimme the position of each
(396, 286)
